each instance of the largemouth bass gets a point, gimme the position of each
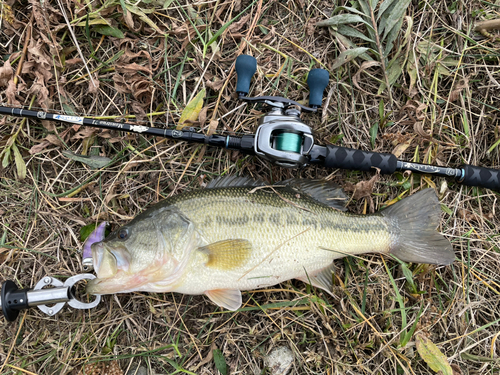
(236, 235)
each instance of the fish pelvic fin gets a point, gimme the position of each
(227, 254)
(412, 226)
(227, 298)
(322, 280)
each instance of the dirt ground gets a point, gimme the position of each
(426, 89)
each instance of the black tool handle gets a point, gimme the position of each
(13, 300)
(317, 80)
(480, 176)
(349, 158)
(246, 66)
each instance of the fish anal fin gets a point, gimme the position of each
(227, 254)
(227, 298)
(323, 279)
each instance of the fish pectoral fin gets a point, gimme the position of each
(228, 298)
(227, 254)
(323, 279)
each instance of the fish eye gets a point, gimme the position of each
(123, 234)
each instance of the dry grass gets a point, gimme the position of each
(450, 116)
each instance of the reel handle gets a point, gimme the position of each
(317, 80)
(246, 66)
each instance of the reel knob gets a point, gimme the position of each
(317, 80)
(246, 66)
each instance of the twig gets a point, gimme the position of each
(25, 49)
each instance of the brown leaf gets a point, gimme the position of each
(140, 113)
(212, 127)
(94, 88)
(85, 132)
(215, 85)
(419, 129)
(49, 125)
(400, 148)
(39, 147)
(6, 73)
(10, 93)
(311, 25)
(457, 90)
(133, 68)
(53, 139)
(366, 65)
(74, 61)
(363, 188)
(236, 26)
(202, 117)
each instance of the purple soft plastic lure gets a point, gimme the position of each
(96, 236)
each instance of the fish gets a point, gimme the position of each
(239, 234)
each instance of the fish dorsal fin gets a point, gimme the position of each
(233, 181)
(323, 279)
(227, 254)
(325, 192)
(228, 298)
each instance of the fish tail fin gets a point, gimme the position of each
(412, 225)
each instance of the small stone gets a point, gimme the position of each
(279, 361)
(137, 370)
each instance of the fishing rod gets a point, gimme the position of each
(283, 138)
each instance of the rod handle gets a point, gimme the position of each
(317, 80)
(479, 176)
(246, 66)
(350, 158)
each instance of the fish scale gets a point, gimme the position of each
(289, 235)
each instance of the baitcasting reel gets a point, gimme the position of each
(282, 137)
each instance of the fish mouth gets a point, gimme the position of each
(121, 282)
(104, 261)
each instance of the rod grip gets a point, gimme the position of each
(350, 158)
(480, 176)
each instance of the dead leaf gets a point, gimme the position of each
(76, 60)
(457, 90)
(419, 129)
(431, 354)
(401, 148)
(94, 87)
(236, 26)
(39, 147)
(6, 73)
(192, 110)
(215, 85)
(53, 139)
(366, 65)
(311, 25)
(202, 117)
(85, 132)
(212, 127)
(364, 189)
(10, 93)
